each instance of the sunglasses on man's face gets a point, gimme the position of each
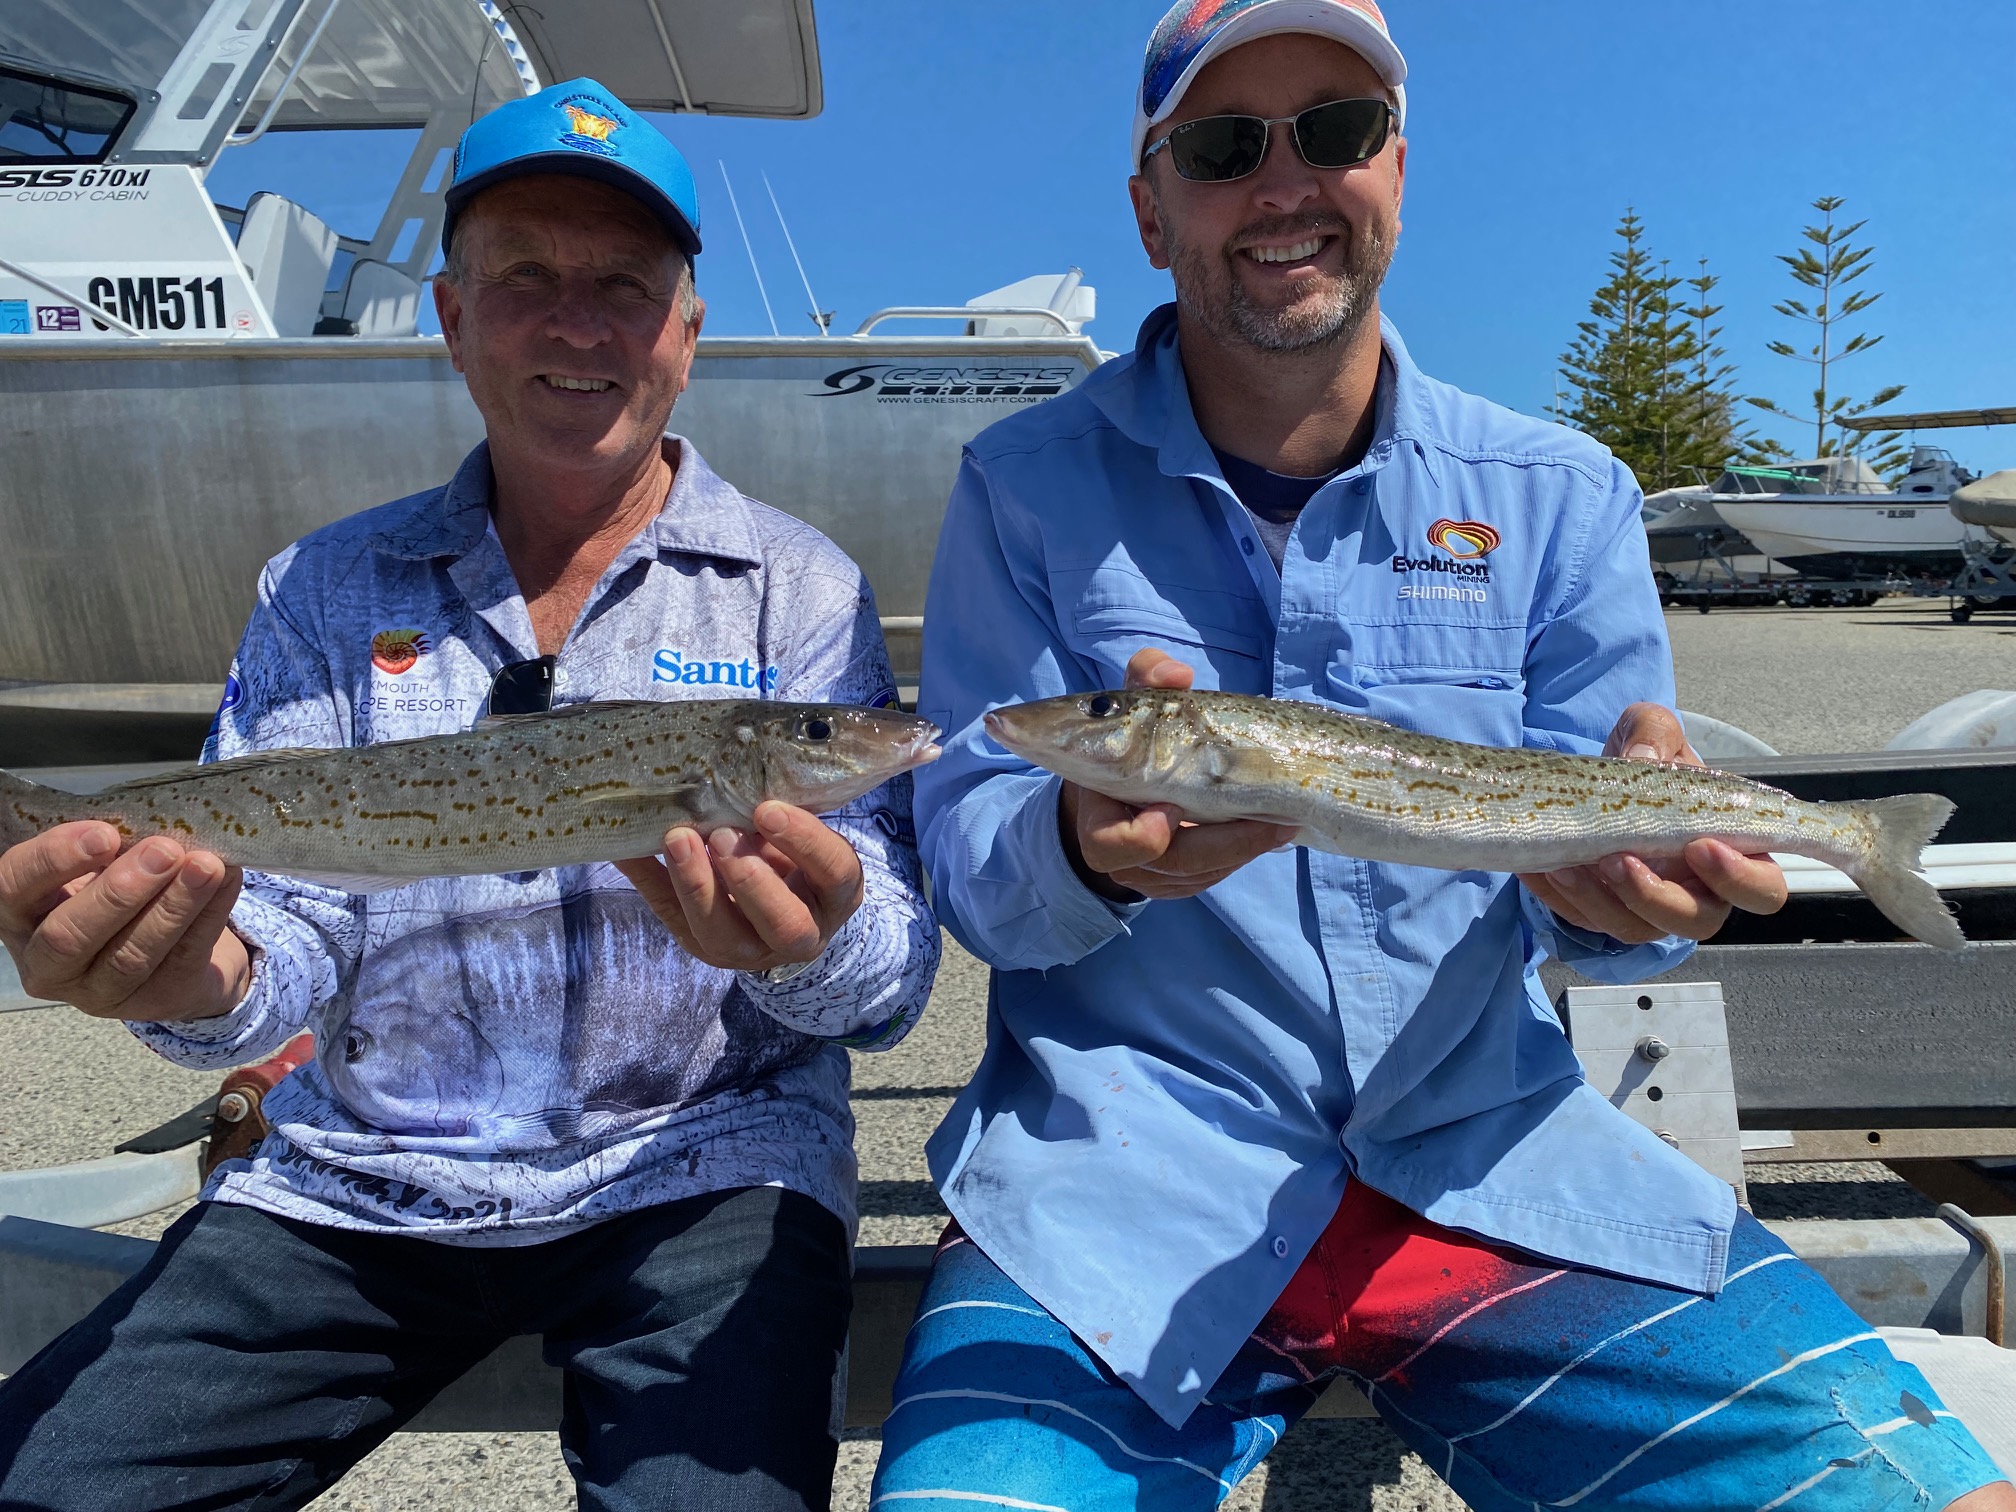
(523, 687)
(1218, 149)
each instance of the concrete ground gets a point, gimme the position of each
(1803, 680)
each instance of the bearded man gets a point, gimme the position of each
(1253, 1117)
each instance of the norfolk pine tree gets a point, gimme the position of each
(1828, 265)
(1644, 374)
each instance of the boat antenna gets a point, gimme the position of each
(751, 251)
(821, 318)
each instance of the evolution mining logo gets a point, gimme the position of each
(1463, 572)
(949, 383)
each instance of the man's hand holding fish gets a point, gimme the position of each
(1690, 896)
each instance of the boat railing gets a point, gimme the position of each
(965, 312)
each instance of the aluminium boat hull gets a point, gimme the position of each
(143, 484)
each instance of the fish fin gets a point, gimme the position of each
(1902, 827)
(13, 828)
(248, 763)
(568, 711)
(348, 882)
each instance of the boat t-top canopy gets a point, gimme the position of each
(1930, 420)
(248, 66)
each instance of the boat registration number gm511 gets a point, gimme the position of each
(169, 302)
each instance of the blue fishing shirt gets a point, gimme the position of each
(499, 1059)
(1174, 1093)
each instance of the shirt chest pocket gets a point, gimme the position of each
(1461, 682)
(1108, 625)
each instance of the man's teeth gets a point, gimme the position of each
(591, 385)
(1295, 253)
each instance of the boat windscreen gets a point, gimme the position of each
(45, 120)
(128, 44)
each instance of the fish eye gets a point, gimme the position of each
(1102, 705)
(816, 729)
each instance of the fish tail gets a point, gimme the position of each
(1900, 828)
(15, 826)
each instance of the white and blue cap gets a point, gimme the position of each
(1193, 32)
(578, 127)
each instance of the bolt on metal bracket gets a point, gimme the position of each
(1660, 1053)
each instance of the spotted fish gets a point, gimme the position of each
(589, 782)
(1360, 787)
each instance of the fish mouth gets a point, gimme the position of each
(1008, 730)
(924, 747)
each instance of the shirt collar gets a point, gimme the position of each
(703, 514)
(1146, 396)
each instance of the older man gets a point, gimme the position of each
(609, 1112)
(1252, 1117)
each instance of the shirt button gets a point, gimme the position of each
(1280, 1248)
(1361, 486)
(1246, 546)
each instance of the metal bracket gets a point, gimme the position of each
(1660, 1052)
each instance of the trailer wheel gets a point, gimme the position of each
(1961, 613)
(1703, 606)
(1983, 601)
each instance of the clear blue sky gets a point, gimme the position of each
(964, 146)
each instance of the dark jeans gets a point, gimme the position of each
(256, 1359)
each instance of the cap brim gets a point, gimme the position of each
(616, 175)
(1316, 18)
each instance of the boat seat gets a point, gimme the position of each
(288, 251)
(379, 300)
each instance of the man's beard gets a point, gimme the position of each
(1333, 316)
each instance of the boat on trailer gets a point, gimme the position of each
(1840, 521)
(188, 386)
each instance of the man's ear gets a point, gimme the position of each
(1399, 180)
(692, 344)
(1148, 221)
(448, 306)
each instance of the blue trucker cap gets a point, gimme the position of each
(577, 127)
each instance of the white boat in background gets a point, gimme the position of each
(1691, 543)
(1839, 521)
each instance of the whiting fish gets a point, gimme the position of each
(588, 782)
(1360, 787)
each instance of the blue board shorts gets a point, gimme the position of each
(1524, 1384)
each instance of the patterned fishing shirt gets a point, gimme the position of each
(502, 1058)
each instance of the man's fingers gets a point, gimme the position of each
(1541, 885)
(1113, 837)
(780, 922)
(1751, 883)
(142, 950)
(65, 944)
(677, 887)
(1202, 849)
(827, 865)
(1670, 905)
(1650, 732)
(1596, 906)
(32, 873)
(1151, 668)
(190, 967)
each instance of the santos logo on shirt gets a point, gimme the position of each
(673, 666)
(1462, 571)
